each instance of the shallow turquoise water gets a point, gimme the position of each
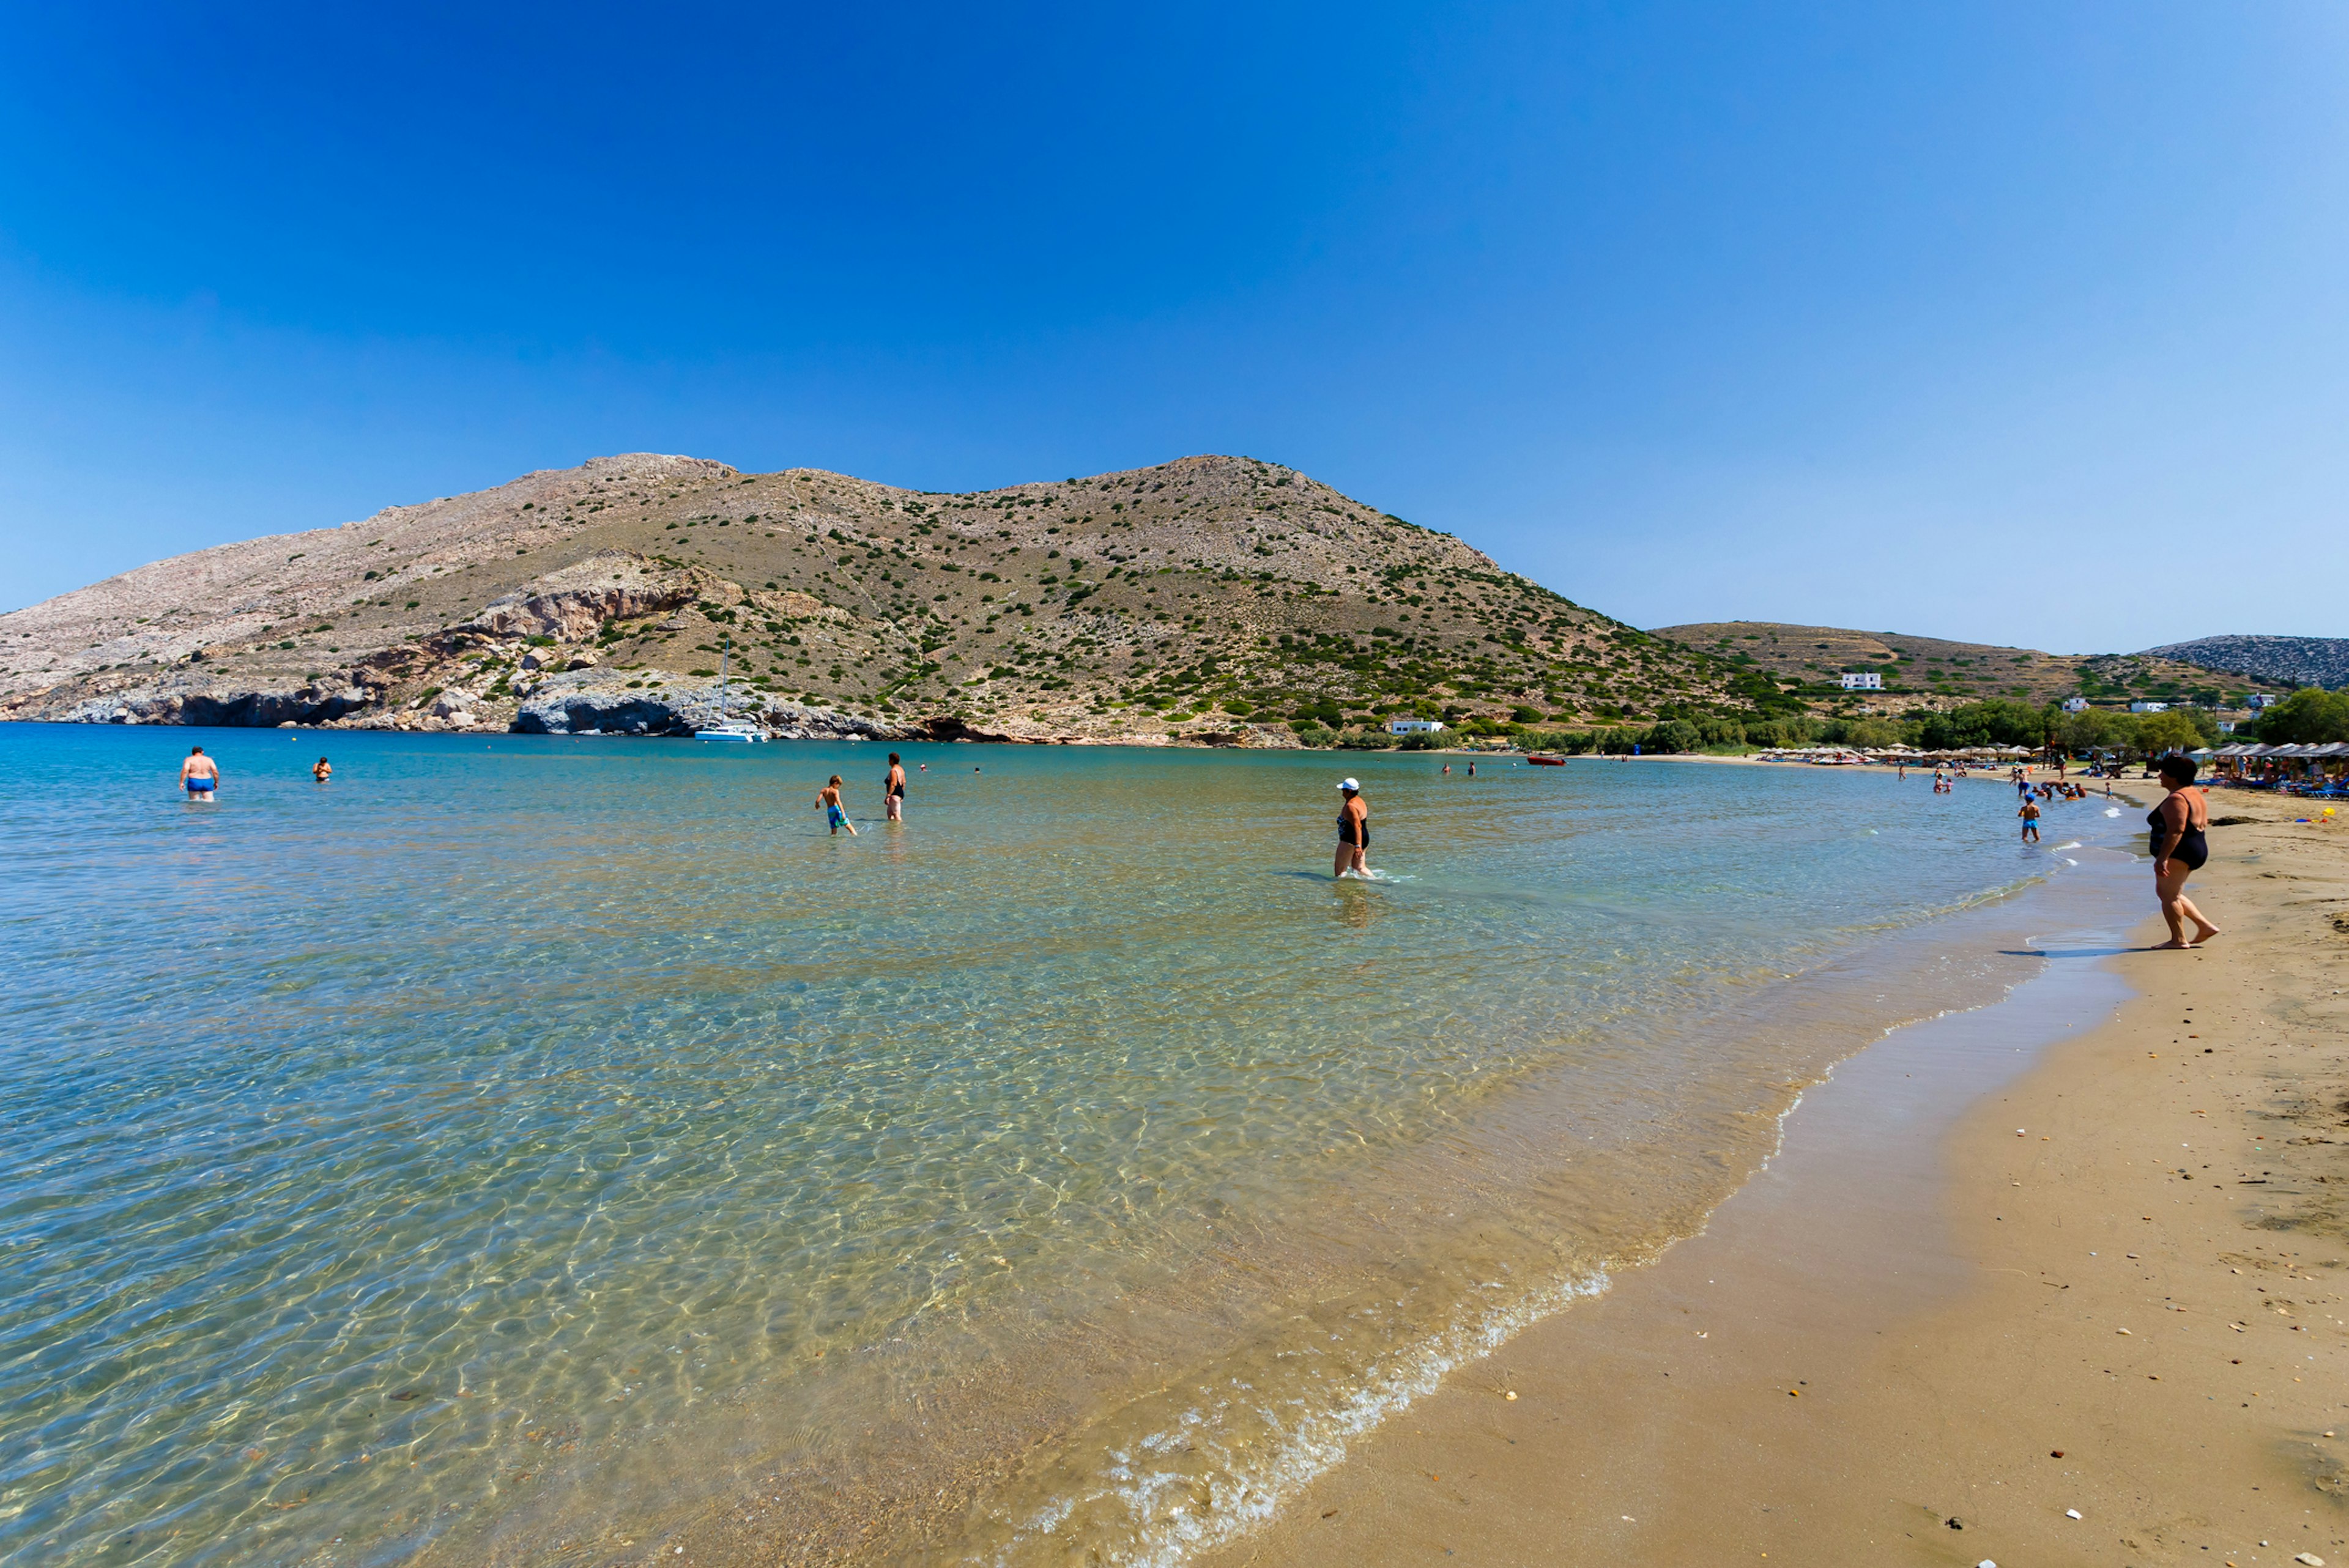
(373, 1145)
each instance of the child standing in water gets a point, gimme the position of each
(2029, 812)
(834, 811)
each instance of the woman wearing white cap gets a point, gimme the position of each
(1353, 830)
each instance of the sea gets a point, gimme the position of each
(565, 1149)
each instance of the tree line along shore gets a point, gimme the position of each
(2307, 716)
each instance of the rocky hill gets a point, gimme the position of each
(2281, 661)
(1201, 598)
(1935, 672)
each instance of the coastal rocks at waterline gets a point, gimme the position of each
(585, 698)
(307, 705)
(600, 702)
(456, 704)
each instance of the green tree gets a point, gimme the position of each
(1719, 729)
(2160, 734)
(2310, 716)
(2091, 730)
(1875, 734)
(1674, 734)
(1799, 730)
(1997, 722)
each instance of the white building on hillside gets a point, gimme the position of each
(1862, 680)
(2149, 707)
(2076, 704)
(2260, 699)
(1414, 726)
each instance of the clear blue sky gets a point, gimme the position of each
(2018, 322)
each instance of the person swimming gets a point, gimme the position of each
(198, 775)
(1354, 831)
(894, 788)
(835, 810)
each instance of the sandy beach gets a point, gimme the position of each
(2057, 1281)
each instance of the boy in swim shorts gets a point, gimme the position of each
(835, 810)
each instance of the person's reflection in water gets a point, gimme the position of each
(1358, 906)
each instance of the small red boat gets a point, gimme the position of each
(1538, 760)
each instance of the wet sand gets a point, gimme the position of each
(1923, 1336)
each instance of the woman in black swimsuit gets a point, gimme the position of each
(1354, 831)
(2179, 850)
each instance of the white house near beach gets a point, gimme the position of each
(1862, 680)
(2076, 704)
(2149, 707)
(1414, 726)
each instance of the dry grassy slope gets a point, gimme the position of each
(1930, 668)
(1099, 605)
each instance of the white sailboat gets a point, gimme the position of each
(727, 727)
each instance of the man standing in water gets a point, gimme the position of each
(198, 775)
(894, 789)
(1354, 831)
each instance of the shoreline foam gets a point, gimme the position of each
(1142, 1512)
(1962, 1342)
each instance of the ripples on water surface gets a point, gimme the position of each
(516, 1145)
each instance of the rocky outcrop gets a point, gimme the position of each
(574, 603)
(600, 702)
(597, 713)
(236, 709)
(792, 721)
(1254, 736)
